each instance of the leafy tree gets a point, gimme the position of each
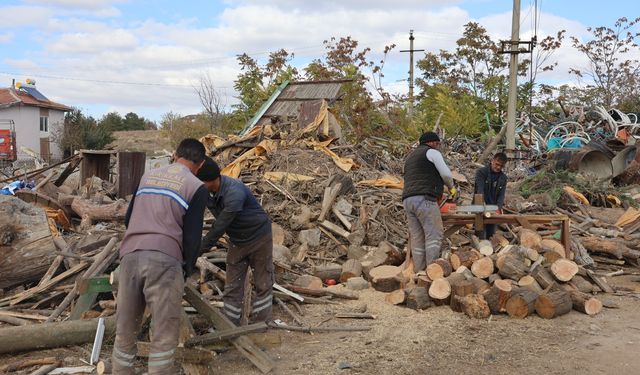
(112, 121)
(81, 132)
(345, 60)
(608, 71)
(257, 82)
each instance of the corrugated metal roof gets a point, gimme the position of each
(289, 101)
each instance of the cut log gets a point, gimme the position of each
(423, 280)
(350, 268)
(485, 247)
(394, 257)
(328, 271)
(439, 268)
(529, 283)
(513, 267)
(459, 289)
(553, 245)
(474, 306)
(103, 367)
(530, 239)
(498, 296)
(482, 267)
(397, 297)
(585, 303)
(554, 304)
(542, 276)
(492, 278)
(464, 271)
(51, 335)
(550, 257)
(100, 212)
(25, 363)
(581, 284)
(386, 278)
(522, 304)
(440, 289)
(26, 243)
(308, 281)
(418, 299)
(344, 294)
(464, 258)
(479, 285)
(613, 248)
(564, 269)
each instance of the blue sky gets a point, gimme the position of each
(145, 56)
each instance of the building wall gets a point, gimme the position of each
(28, 134)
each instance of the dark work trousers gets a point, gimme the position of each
(259, 256)
(425, 228)
(153, 279)
(488, 232)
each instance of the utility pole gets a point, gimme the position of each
(411, 51)
(513, 76)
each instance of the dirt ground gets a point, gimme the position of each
(437, 341)
(440, 341)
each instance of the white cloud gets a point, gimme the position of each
(95, 42)
(21, 16)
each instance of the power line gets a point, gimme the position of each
(96, 80)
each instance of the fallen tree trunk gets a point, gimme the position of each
(51, 335)
(112, 211)
(613, 248)
(25, 242)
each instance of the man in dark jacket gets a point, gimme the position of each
(491, 182)
(425, 173)
(160, 246)
(240, 216)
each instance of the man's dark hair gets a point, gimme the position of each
(209, 171)
(501, 157)
(192, 150)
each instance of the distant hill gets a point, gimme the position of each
(151, 142)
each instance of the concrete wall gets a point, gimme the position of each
(28, 134)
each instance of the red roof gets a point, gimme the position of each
(10, 97)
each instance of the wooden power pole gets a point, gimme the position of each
(411, 51)
(514, 44)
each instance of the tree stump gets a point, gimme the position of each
(385, 278)
(474, 306)
(522, 304)
(439, 268)
(482, 267)
(498, 295)
(564, 269)
(418, 299)
(553, 304)
(350, 268)
(423, 280)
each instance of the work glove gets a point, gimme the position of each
(453, 192)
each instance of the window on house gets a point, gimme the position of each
(44, 124)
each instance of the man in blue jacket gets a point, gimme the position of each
(491, 182)
(240, 216)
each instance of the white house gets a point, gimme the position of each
(35, 117)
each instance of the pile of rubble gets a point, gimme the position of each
(338, 228)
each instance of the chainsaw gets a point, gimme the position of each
(447, 203)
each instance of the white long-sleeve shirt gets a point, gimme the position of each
(435, 157)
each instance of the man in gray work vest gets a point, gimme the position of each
(160, 247)
(425, 173)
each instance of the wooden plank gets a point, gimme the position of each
(225, 335)
(73, 164)
(41, 288)
(566, 237)
(130, 170)
(451, 230)
(244, 345)
(335, 229)
(186, 332)
(524, 222)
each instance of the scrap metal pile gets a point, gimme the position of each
(339, 227)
